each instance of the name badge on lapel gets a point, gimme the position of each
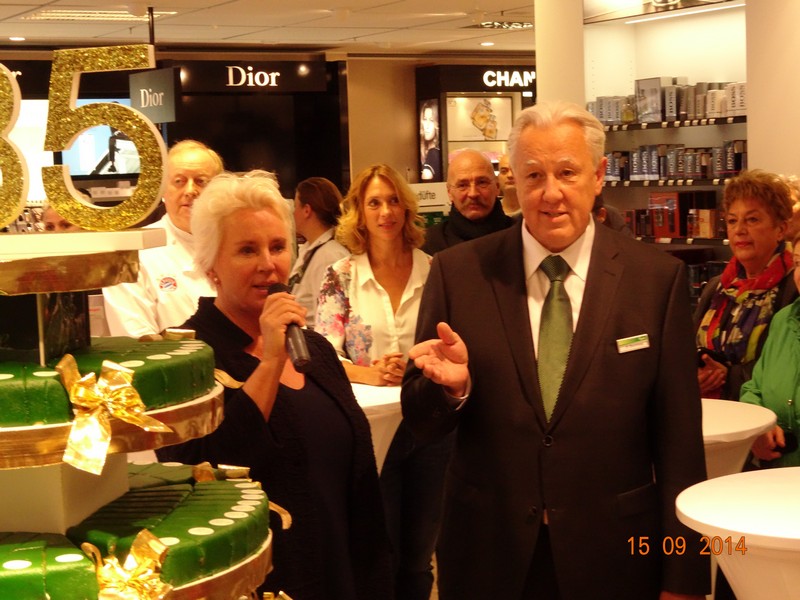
(635, 342)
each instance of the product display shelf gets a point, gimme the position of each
(43, 494)
(678, 123)
(668, 183)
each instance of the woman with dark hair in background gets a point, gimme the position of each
(317, 206)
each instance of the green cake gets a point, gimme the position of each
(208, 526)
(44, 565)
(165, 373)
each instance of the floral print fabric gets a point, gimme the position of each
(355, 314)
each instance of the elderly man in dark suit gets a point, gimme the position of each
(571, 382)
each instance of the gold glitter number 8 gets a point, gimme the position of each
(65, 121)
(14, 188)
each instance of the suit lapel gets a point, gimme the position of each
(602, 281)
(512, 300)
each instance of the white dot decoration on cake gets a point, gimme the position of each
(247, 485)
(170, 541)
(220, 522)
(69, 558)
(179, 352)
(249, 502)
(159, 357)
(132, 364)
(253, 495)
(236, 515)
(4, 376)
(200, 531)
(243, 508)
(45, 373)
(16, 565)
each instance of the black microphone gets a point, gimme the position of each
(295, 340)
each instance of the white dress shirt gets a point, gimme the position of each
(355, 313)
(577, 255)
(166, 292)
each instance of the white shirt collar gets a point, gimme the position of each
(577, 255)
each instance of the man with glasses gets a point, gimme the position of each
(472, 187)
(169, 284)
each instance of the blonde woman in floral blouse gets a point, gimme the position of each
(367, 309)
(368, 301)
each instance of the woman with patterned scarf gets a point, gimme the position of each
(735, 309)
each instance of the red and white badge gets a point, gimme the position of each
(168, 284)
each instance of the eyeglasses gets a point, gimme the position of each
(481, 184)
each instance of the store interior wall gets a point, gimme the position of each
(382, 115)
(773, 88)
(704, 47)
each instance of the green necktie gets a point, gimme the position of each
(555, 332)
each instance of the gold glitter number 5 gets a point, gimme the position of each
(65, 121)
(14, 188)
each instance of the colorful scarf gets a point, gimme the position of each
(742, 308)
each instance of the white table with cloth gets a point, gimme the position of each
(751, 522)
(729, 430)
(382, 407)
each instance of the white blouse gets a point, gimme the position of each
(355, 314)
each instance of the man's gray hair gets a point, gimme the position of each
(550, 114)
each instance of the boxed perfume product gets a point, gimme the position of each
(665, 214)
(650, 98)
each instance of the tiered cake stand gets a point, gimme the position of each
(31, 457)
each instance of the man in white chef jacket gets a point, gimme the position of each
(169, 284)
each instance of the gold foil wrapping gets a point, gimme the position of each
(139, 577)
(94, 401)
(226, 380)
(68, 273)
(45, 444)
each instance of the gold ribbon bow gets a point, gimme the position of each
(93, 402)
(139, 578)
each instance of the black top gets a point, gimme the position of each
(284, 453)
(457, 228)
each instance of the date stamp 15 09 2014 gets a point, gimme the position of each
(709, 545)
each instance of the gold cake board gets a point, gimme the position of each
(42, 445)
(238, 581)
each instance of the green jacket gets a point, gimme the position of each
(776, 376)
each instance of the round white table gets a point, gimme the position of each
(382, 407)
(729, 430)
(751, 522)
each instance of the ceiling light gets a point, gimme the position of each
(16, 38)
(92, 15)
(487, 44)
(505, 25)
(686, 12)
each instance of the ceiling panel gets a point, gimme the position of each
(343, 25)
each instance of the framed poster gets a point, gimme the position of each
(479, 118)
(430, 144)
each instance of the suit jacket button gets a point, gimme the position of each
(547, 441)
